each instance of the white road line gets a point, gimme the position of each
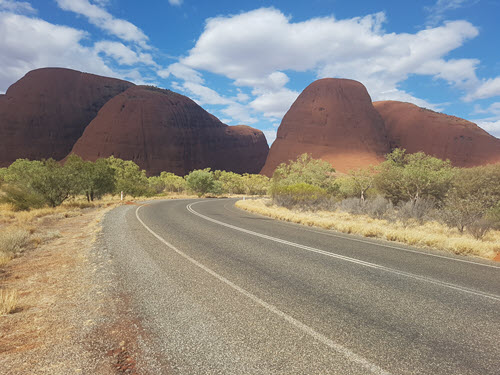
(376, 243)
(374, 369)
(345, 258)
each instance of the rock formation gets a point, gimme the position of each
(164, 131)
(43, 114)
(334, 120)
(446, 137)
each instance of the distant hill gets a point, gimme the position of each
(335, 120)
(51, 112)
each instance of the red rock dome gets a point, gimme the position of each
(446, 137)
(334, 120)
(44, 113)
(161, 130)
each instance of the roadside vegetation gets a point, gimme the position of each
(34, 192)
(415, 199)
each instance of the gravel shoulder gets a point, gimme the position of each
(70, 317)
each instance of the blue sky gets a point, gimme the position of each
(246, 61)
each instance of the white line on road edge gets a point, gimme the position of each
(345, 258)
(345, 237)
(298, 324)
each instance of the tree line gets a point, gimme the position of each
(28, 184)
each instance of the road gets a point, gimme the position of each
(221, 291)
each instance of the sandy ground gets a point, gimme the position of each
(69, 317)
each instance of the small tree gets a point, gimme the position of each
(305, 170)
(472, 200)
(173, 183)
(201, 181)
(409, 177)
(362, 180)
(129, 178)
(92, 179)
(255, 184)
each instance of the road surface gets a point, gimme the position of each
(222, 291)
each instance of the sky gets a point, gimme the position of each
(247, 61)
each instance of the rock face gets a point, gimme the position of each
(446, 137)
(334, 120)
(164, 131)
(43, 114)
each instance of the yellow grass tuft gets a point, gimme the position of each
(8, 301)
(431, 234)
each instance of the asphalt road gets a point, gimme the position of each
(220, 291)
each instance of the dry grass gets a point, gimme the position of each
(431, 234)
(8, 301)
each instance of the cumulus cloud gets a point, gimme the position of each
(34, 43)
(356, 48)
(101, 18)
(486, 89)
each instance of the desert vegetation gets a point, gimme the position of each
(415, 199)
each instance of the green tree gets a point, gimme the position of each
(92, 179)
(255, 184)
(231, 183)
(129, 178)
(474, 197)
(306, 170)
(173, 183)
(156, 184)
(359, 182)
(409, 177)
(54, 182)
(202, 181)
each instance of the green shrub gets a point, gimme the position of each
(202, 181)
(302, 195)
(21, 199)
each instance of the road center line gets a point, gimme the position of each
(345, 258)
(374, 369)
(345, 237)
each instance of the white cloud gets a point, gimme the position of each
(16, 6)
(30, 43)
(491, 118)
(486, 89)
(274, 104)
(176, 2)
(492, 127)
(270, 135)
(239, 113)
(437, 11)
(183, 72)
(122, 54)
(205, 95)
(356, 48)
(101, 18)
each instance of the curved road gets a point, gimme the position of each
(222, 291)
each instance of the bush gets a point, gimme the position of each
(21, 199)
(202, 181)
(351, 205)
(173, 183)
(480, 227)
(419, 210)
(306, 170)
(301, 195)
(13, 240)
(378, 207)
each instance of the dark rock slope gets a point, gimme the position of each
(43, 114)
(164, 131)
